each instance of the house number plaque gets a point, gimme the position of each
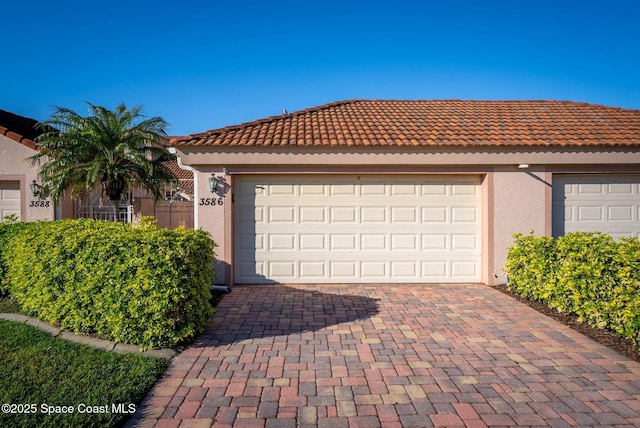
(211, 201)
(39, 204)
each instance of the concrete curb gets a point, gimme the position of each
(105, 345)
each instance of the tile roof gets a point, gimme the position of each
(19, 128)
(180, 173)
(439, 123)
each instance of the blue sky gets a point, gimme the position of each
(207, 64)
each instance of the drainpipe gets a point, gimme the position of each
(173, 151)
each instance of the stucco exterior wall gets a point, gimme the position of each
(519, 206)
(213, 210)
(14, 167)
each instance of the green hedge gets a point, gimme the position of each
(586, 274)
(8, 229)
(140, 285)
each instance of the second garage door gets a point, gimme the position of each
(346, 229)
(596, 203)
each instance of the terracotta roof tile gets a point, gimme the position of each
(180, 173)
(378, 123)
(19, 128)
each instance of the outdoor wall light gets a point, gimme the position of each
(214, 183)
(523, 166)
(35, 188)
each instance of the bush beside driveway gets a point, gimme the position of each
(141, 285)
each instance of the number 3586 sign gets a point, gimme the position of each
(211, 201)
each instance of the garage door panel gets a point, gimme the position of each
(462, 269)
(464, 189)
(434, 215)
(343, 269)
(622, 189)
(312, 241)
(342, 189)
(373, 242)
(313, 270)
(463, 242)
(357, 229)
(343, 214)
(605, 203)
(401, 242)
(568, 213)
(9, 199)
(435, 270)
(369, 214)
(404, 190)
(10, 194)
(285, 270)
(282, 214)
(282, 242)
(343, 242)
(435, 241)
(404, 269)
(464, 214)
(281, 189)
(588, 213)
(591, 189)
(434, 189)
(377, 189)
(9, 212)
(313, 214)
(620, 213)
(313, 190)
(374, 270)
(404, 215)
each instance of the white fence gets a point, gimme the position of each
(106, 212)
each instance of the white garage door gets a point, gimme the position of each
(346, 229)
(596, 203)
(9, 199)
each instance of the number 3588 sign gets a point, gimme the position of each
(211, 201)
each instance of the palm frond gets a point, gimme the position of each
(111, 149)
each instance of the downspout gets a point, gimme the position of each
(173, 151)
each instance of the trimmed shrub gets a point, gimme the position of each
(144, 285)
(584, 274)
(624, 306)
(7, 231)
(530, 265)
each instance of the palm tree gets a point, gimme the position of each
(109, 150)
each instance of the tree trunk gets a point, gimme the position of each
(114, 190)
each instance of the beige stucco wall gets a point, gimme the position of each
(213, 213)
(519, 206)
(515, 200)
(15, 167)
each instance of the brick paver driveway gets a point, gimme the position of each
(391, 356)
